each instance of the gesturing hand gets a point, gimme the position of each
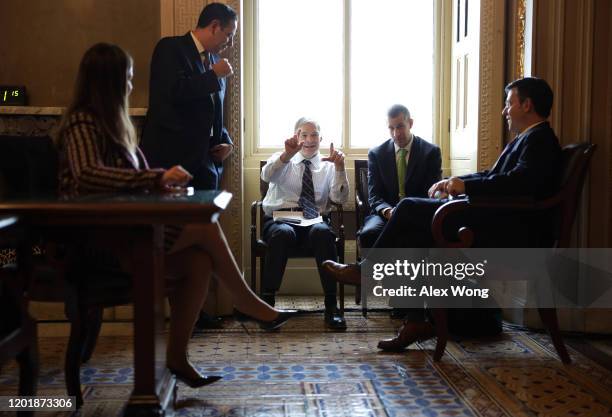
(337, 157)
(292, 146)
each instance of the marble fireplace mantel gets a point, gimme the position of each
(53, 111)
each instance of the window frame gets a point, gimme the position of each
(253, 153)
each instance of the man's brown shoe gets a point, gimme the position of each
(344, 273)
(408, 334)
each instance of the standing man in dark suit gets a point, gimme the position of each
(529, 166)
(403, 166)
(184, 123)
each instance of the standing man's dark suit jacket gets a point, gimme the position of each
(185, 115)
(422, 171)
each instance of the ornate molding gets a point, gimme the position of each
(233, 121)
(491, 79)
(520, 25)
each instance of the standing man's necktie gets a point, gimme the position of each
(307, 196)
(401, 172)
(205, 60)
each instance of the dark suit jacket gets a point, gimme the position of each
(530, 166)
(424, 164)
(185, 103)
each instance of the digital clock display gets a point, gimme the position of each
(11, 95)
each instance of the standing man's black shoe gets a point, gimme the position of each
(206, 321)
(333, 319)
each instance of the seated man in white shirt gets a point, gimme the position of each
(300, 179)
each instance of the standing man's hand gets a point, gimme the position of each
(292, 146)
(219, 153)
(222, 68)
(337, 157)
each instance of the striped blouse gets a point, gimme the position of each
(89, 164)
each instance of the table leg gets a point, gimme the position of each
(154, 387)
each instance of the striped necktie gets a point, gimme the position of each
(307, 198)
(205, 57)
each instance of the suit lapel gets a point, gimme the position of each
(389, 165)
(191, 52)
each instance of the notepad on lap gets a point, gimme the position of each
(295, 218)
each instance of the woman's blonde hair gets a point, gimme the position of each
(101, 91)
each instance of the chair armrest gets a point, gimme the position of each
(340, 211)
(12, 235)
(498, 203)
(464, 234)
(8, 222)
(255, 205)
(359, 211)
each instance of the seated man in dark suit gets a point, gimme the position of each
(301, 179)
(530, 165)
(403, 166)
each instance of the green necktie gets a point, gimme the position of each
(401, 171)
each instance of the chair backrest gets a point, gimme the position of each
(28, 166)
(263, 186)
(575, 165)
(361, 182)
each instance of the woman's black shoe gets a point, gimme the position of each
(195, 382)
(282, 318)
(277, 323)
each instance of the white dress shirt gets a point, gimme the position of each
(286, 183)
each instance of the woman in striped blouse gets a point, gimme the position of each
(99, 153)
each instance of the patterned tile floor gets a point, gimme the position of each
(305, 371)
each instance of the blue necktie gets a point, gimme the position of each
(307, 198)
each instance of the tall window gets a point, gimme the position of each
(344, 63)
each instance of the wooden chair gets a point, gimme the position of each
(18, 334)
(362, 210)
(259, 246)
(562, 205)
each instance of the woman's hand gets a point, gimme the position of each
(175, 176)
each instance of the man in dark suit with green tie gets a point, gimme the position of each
(403, 166)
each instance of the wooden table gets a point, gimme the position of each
(137, 220)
